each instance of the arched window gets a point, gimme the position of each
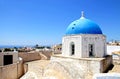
(72, 48)
(91, 50)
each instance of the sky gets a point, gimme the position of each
(44, 22)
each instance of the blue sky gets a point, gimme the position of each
(43, 22)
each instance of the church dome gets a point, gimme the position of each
(83, 26)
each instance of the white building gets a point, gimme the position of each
(83, 52)
(84, 38)
(7, 58)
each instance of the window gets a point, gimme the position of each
(72, 48)
(91, 50)
(8, 59)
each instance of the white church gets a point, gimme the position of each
(83, 39)
(83, 52)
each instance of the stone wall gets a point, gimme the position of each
(20, 69)
(29, 56)
(35, 56)
(106, 63)
(77, 68)
(46, 55)
(90, 64)
(14, 54)
(16, 70)
(57, 70)
(13, 71)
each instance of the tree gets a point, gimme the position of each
(36, 46)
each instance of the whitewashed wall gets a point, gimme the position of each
(67, 40)
(111, 49)
(82, 42)
(99, 42)
(107, 76)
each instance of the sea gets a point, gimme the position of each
(17, 46)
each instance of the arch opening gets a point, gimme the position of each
(72, 48)
(91, 50)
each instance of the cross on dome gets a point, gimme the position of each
(82, 15)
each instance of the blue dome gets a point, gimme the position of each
(83, 26)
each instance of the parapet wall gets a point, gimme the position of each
(12, 71)
(16, 70)
(83, 67)
(94, 65)
(34, 56)
(29, 56)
